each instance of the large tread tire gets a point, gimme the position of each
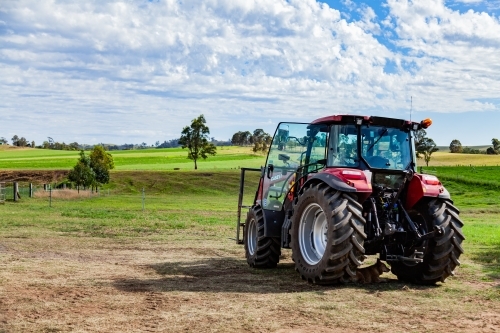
(334, 258)
(260, 251)
(441, 253)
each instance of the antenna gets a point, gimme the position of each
(411, 106)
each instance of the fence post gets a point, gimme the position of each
(50, 195)
(143, 198)
(15, 189)
(31, 190)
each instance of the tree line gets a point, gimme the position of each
(55, 145)
(456, 147)
(18, 141)
(259, 139)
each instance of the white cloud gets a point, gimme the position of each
(140, 71)
(368, 20)
(455, 53)
(470, 1)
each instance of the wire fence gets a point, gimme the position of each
(8, 192)
(79, 199)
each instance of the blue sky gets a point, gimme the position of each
(138, 71)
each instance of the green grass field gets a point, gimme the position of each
(145, 159)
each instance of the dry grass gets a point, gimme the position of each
(448, 159)
(196, 281)
(64, 194)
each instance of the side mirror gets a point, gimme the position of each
(283, 157)
(270, 169)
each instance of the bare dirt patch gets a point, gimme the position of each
(33, 176)
(59, 283)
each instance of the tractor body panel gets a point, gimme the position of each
(424, 186)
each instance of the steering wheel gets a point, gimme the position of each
(378, 162)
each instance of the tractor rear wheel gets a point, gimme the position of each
(260, 251)
(327, 235)
(440, 253)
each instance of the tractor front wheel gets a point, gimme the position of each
(327, 235)
(260, 251)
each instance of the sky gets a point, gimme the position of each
(136, 71)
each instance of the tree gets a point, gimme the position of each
(101, 162)
(236, 139)
(241, 138)
(22, 142)
(195, 139)
(82, 174)
(419, 137)
(426, 147)
(491, 151)
(261, 140)
(73, 146)
(496, 144)
(3, 140)
(456, 146)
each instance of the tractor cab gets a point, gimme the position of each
(380, 148)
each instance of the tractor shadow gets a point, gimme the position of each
(489, 259)
(230, 275)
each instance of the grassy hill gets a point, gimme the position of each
(227, 158)
(147, 159)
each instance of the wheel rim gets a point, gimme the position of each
(252, 236)
(313, 237)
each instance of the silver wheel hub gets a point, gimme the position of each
(313, 234)
(252, 236)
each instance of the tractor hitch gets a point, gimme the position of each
(416, 257)
(438, 231)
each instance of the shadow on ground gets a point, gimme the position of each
(233, 275)
(489, 257)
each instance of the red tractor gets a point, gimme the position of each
(343, 187)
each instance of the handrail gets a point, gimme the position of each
(240, 202)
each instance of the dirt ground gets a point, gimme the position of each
(33, 176)
(193, 282)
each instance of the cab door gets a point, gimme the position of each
(293, 145)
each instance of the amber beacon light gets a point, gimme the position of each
(426, 123)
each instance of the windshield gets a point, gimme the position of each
(385, 147)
